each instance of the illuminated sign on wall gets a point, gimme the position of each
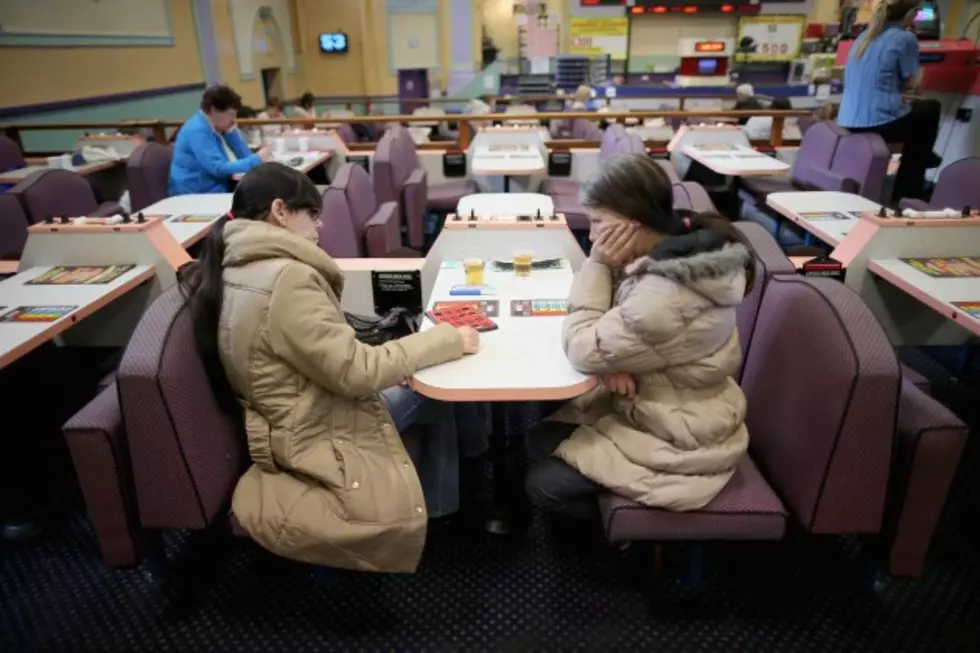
(709, 46)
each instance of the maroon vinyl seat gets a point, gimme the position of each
(956, 188)
(11, 156)
(443, 197)
(399, 178)
(692, 196)
(147, 174)
(353, 223)
(54, 192)
(13, 227)
(824, 447)
(863, 158)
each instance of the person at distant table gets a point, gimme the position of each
(759, 128)
(652, 314)
(273, 111)
(883, 64)
(745, 100)
(209, 149)
(304, 108)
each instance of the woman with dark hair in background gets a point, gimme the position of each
(882, 65)
(304, 108)
(208, 149)
(331, 483)
(652, 314)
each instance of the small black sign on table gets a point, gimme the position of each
(823, 266)
(559, 163)
(454, 164)
(397, 289)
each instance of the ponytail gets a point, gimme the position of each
(882, 13)
(202, 285)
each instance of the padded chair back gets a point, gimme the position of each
(10, 155)
(147, 172)
(769, 260)
(863, 158)
(690, 195)
(634, 142)
(608, 144)
(187, 455)
(346, 133)
(13, 227)
(387, 187)
(340, 236)
(822, 403)
(414, 189)
(585, 130)
(804, 123)
(55, 192)
(958, 186)
(817, 150)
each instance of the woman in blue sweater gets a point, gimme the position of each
(209, 149)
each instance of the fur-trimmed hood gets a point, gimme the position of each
(718, 275)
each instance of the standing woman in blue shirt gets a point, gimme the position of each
(209, 149)
(883, 64)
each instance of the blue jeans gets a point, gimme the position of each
(435, 444)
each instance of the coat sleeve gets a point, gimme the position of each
(308, 330)
(600, 338)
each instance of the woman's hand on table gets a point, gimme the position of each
(619, 383)
(471, 339)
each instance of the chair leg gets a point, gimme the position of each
(695, 564)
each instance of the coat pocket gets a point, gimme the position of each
(358, 494)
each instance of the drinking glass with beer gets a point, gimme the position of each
(522, 259)
(473, 267)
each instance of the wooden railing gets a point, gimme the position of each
(159, 127)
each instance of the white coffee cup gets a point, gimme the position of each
(66, 161)
(55, 162)
(279, 146)
(304, 143)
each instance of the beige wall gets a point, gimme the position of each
(53, 74)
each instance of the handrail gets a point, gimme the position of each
(159, 126)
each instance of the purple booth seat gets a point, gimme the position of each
(13, 227)
(770, 259)
(958, 186)
(825, 447)
(186, 454)
(397, 180)
(346, 133)
(55, 192)
(354, 225)
(10, 155)
(863, 158)
(147, 173)
(444, 197)
(811, 171)
(691, 195)
(99, 450)
(930, 440)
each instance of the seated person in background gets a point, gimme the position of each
(273, 110)
(304, 108)
(652, 314)
(759, 128)
(209, 150)
(582, 99)
(745, 100)
(882, 65)
(827, 111)
(331, 483)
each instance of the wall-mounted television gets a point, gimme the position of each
(333, 42)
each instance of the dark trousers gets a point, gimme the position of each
(916, 131)
(551, 483)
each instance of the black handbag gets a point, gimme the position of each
(396, 323)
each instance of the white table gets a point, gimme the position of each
(188, 233)
(734, 160)
(507, 160)
(17, 176)
(486, 204)
(937, 293)
(310, 160)
(523, 360)
(18, 339)
(828, 215)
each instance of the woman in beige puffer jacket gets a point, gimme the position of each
(652, 314)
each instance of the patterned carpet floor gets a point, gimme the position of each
(477, 592)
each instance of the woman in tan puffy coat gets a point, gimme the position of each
(331, 483)
(652, 314)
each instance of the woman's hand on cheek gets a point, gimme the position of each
(614, 246)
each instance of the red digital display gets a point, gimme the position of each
(709, 46)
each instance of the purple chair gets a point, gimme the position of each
(186, 454)
(958, 186)
(863, 158)
(399, 178)
(354, 225)
(13, 227)
(100, 452)
(56, 192)
(811, 171)
(929, 443)
(691, 195)
(147, 173)
(585, 130)
(11, 157)
(440, 198)
(823, 438)
(345, 132)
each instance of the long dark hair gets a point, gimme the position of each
(635, 187)
(201, 280)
